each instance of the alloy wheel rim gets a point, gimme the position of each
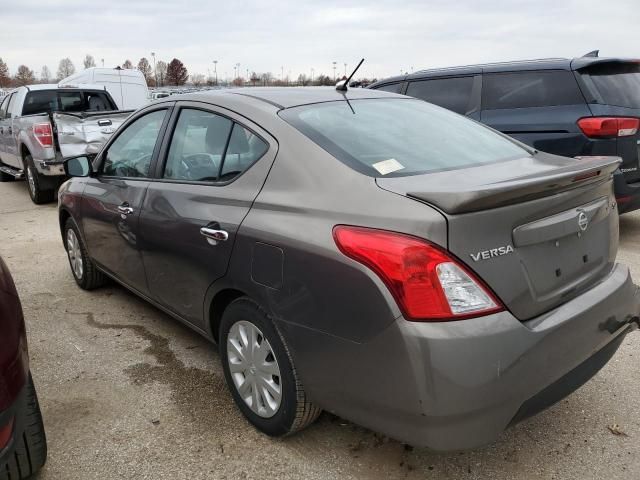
(75, 254)
(32, 183)
(254, 369)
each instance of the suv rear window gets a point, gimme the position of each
(530, 89)
(451, 93)
(47, 101)
(616, 83)
(398, 137)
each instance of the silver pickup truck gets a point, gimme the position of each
(41, 125)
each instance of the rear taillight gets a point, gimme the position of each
(426, 282)
(43, 133)
(5, 434)
(609, 127)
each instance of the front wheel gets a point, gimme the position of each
(260, 373)
(85, 273)
(38, 194)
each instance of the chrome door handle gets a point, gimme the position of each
(214, 236)
(125, 210)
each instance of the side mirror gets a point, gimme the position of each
(78, 166)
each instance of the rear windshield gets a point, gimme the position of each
(615, 83)
(47, 101)
(397, 137)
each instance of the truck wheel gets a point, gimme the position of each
(36, 192)
(260, 373)
(30, 452)
(85, 273)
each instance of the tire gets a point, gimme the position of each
(294, 411)
(30, 452)
(84, 272)
(34, 183)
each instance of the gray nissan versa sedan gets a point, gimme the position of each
(360, 252)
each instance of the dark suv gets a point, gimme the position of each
(23, 446)
(579, 107)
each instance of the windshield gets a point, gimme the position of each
(396, 137)
(617, 83)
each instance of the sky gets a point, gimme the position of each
(295, 36)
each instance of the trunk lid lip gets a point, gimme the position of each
(454, 193)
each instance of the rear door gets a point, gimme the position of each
(539, 108)
(10, 145)
(3, 123)
(113, 198)
(215, 163)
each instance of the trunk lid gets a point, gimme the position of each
(85, 133)
(539, 230)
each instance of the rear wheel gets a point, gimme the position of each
(85, 273)
(38, 194)
(260, 373)
(30, 452)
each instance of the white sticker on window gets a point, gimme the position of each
(388, 166)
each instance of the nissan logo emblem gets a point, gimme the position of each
(583, 221)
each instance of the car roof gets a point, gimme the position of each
(512, 66)
(287, 97)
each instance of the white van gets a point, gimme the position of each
(127, 86)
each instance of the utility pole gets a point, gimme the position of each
(345, 69)
(334, 72)
(312, 76)
(102, 59)
(215, 70)
(282, 73)
(155, 72)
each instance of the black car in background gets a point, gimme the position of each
(569, 107)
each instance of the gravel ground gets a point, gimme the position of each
(128, 392)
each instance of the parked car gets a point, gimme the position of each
(351, 251)
(570, 107)
(127, 87)
(41, 125)
(23, 444)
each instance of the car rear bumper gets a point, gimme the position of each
(50, 168)
(627, 194)
(457, 385)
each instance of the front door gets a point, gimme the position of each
(114, 196)
(215, 165)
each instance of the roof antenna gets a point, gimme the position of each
(342, 86)
(593, 54)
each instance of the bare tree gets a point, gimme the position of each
(161, 72)
(89, 61)
(255, 78)
(45, 74)
(65, 68)
(197, 79)
(177, 73)
(303, 80)
(5, 79)
(24, 76)
(147, 71)
(127, 64)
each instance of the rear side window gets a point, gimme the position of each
(4, 105)
(40, 101)
(451, 93)
(392, 87)
(399, 136)
(616, 83)
(530, 89)
(207, 147)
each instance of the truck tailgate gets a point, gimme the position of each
(85, 133)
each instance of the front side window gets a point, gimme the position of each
(530, 89)
(451, 93)
(131, 152)
(397, 137)
(207, 147)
